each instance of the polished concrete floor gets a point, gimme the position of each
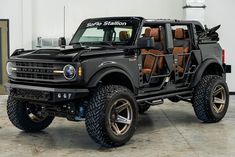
(166, 130)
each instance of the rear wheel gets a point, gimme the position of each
(111, 115)
(26, 116)
(211, 99)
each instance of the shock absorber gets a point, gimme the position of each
(80, 113)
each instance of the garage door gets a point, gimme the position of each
(4, 50)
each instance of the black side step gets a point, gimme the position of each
(155, 102)
(161, 96)
(186, 99)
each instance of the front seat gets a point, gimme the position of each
(124, 36)
(181, 47)
(149, 59)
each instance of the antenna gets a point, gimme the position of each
(64, 21)
(62, 40)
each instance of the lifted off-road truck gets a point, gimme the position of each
(115, 69)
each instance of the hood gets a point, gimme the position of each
(63, 55)
(46, 54)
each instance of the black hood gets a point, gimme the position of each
(46, 54)
(64, 55)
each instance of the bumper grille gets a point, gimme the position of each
(31, 94)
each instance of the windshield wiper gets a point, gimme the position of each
(79, 45)
(107, 43)
(102, 44)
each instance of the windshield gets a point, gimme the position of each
(109, 32)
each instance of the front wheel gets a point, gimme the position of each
(26, 116)
(111, 115)
(211, 99)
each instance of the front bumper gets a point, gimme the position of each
(45, 94)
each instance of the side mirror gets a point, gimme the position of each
(145, 43)
(62, 42)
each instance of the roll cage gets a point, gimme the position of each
(170, 77)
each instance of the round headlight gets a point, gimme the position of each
(69, 72)
(9, 68)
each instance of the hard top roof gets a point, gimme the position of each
(172, 21)
(150, 21)
(117, 18)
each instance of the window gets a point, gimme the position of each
(102, 31)
(92, 34)
(117, 31)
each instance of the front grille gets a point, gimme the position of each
(31, 94)
(31, 70)
(33, 64)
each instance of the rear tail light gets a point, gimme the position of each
(223, 56)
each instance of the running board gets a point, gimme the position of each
(162, 96)
(155, 102)
(186, 99)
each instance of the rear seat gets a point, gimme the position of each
(149, 60)
(181, 46)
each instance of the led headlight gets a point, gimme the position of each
(69, 72)
(10, 68)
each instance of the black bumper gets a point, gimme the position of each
(45, 94)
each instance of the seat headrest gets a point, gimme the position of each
(179, 33)
(124, 36)
(153, 32)
(147, 32)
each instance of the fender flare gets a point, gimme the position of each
(95, 79)
(202, 68)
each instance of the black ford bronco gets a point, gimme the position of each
(115, 69)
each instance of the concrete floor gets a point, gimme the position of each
(166, 130)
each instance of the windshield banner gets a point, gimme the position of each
(106, 23)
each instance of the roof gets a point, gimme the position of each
(150, 20)
(117, 17)
(172, 21)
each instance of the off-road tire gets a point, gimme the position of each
(97, 115)
(16, 110)
(203, 97)
(143, 108)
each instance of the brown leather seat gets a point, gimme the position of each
(149, 59)
(181, 46)
(124, 36)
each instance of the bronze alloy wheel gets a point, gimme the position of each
(211, 99)
(219, 98)
(111, 116)
(121, 115)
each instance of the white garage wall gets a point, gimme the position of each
(19, 12)
(48, 15)
(14, 13)
(223, 12)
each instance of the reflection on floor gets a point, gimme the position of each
(167, 130)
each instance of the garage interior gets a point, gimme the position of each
(171, 129)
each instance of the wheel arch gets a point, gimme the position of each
(112, 75)
(207, 68)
